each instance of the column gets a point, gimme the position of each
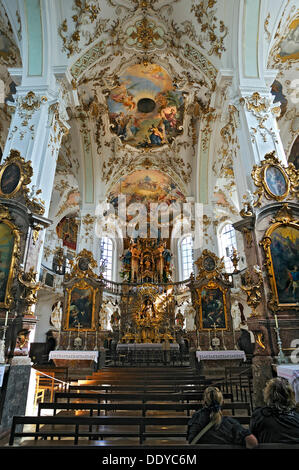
(257, 132)
(37, 127)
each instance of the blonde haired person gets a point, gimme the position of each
(209, 426)
(278, 421)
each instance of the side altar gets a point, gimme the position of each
(79, 339)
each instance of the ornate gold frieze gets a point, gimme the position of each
(212, 31)
(86, 13)
(253, 282)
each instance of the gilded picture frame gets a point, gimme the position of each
(15, 175)
(276, 181)
(81, 307)
(212, 306)
(8, 172)
(280, 244)
(9, 249)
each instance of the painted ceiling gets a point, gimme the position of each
(145, 187)
(146, 110)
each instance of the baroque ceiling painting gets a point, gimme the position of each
(146, 110)
(289, 47)
(146, 187)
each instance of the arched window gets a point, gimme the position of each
(106, 257)
(186, 257)
(228, 243)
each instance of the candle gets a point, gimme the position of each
(276, 322)
(6, 318)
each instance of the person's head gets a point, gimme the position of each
(213, 400)
(279, 393)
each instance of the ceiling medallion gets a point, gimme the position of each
(145, 34)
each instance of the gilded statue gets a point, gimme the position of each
(30, 289)
(253, 287)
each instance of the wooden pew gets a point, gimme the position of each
(45, 427)
(142, 397)
(138, 388)
(141, 407)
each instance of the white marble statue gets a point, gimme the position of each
(236, 315)
(190, 317)
(104, 318)
(56, 315)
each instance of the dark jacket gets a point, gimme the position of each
(271, 425)
(230, 430)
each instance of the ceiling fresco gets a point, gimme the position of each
(145, 109)
(289, 46)
(145, 187)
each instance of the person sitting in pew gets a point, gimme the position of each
(208, 426)
(278, 421)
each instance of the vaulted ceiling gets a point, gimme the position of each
(111, 55)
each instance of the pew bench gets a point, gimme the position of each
(83, 427)
(141, 407)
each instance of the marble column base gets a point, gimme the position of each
(16, 391)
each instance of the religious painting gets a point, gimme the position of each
(212, 302)
(146, 187)
(81, 299)
(145, 109)
(67, 231)
(209, 263)
(10, 179)
(289, 46)
(283, 256)
(294, 155)
(276, 181)
(8, 242)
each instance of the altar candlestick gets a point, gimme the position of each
(69, 343)
(223, 340)
(210, 347)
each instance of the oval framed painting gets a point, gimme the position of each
(209, 263)
(276, 182)
(11, 178)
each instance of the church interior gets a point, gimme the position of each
(150, 243)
